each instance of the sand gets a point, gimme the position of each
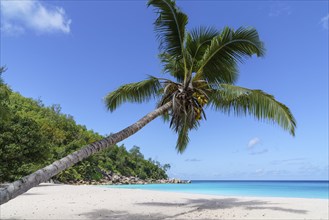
(55, 201)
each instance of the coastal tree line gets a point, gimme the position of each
(33, 135)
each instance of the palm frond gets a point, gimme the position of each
(168, 90)
(261, 105)
(219, 62)
(183, 111)
(169, 26)
(183, 139)
(133, 92)
(197, 41)
(165, 117)
(173, 66)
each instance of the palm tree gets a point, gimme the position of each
(203, 63)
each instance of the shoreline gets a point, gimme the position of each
(201, 194)
(229, 196)
(58, 201)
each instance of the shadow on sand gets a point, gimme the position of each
(195, 206)
(99, 214)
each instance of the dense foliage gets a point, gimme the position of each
(4, 97)
(34, 136)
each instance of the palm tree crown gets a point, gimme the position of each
(204, 63)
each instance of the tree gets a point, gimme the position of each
(4, 94)
(135, 151)
(35, 135)
(26, 149)
(203, 62)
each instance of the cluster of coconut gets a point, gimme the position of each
(202, 100)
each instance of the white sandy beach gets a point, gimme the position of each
(53, 201)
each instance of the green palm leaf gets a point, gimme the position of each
(197, 41)
(133, 92)
(219, 62)
(261, 105)
(173, 66)
(170, 26)
(183, 138)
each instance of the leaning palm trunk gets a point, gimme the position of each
(20, 186)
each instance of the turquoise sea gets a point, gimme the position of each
(296, 189)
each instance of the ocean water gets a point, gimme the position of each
(295, 189)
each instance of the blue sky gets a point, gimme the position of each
(73, 53)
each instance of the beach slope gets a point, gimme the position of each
(55, 201)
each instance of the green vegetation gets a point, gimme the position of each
(4, 97)
(34, 135)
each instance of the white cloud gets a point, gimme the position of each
(324, 22)
(263, 151)
(193, 160)
(309, 169)
(251, 147)
(291, 161)
(252, 142)
(259, 172)
(18, 16)
(11, 29)
(270, 173)
(279, 8)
